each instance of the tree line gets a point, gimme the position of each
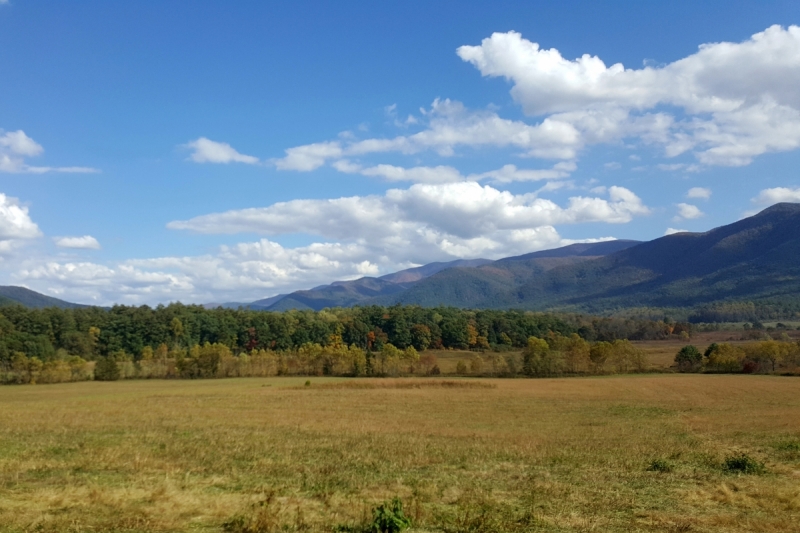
(177, 340)
(766, 356)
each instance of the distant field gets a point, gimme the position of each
(489, 455)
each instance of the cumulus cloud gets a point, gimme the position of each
(86, 242)
(15, 222)
(725, 104)
(466, 209)
(688, 211)
(18, 143)
(739, 100)
(449, 126)
(701, 193)
(253, 270)
(777, 195)
(357, 236)
(15, 146)
(208, 151)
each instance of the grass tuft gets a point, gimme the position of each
(660, 465)
(741, 463)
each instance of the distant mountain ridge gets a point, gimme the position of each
(12, 295)
(753, 259)
(395, 287)
(757, 258)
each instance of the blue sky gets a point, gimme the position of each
(217, 151)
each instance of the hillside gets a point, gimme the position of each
(753, 259)
(11, 295)
(354, 292)
(493, 285)
(469, 277)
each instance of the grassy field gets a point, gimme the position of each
(487, 455)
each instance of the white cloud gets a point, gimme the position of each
(366, 235)
(87, 242)
(18, 143)
(439, 174)
(208, 151)
(612, 165)
(448, 174)
(702, 193)
(739, 100)
(15, 223)
(777, 195)
(673, 231)
(253, 270)
(449, 125)
(309, 157)
(464, 209)
(510, 173)
(15, 146)
(688, 211)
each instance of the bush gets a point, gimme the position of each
(389, 518)
(106, 369)
(741, 463)
(689, 358)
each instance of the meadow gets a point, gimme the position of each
(612, 453)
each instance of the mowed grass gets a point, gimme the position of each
(487, 455)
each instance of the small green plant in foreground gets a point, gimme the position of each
(660, 465)
(389, 518)
(741, 463)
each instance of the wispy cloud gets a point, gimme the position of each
(86, 242)
(208, 151)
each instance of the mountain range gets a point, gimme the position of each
(754, 259)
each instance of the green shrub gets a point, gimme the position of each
(741, 463)
(106, 369)
(389, 518)
(689, 358)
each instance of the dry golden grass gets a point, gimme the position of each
(525, 455)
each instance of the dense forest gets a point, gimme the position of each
(66, 339)
(94, 332)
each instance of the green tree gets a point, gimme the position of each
(420, 336)
(689, 358)
(106, 369)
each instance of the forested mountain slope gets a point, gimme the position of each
(349, 293)
(11, 295)
(391, 288)
(494, 285)
(757, 258)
